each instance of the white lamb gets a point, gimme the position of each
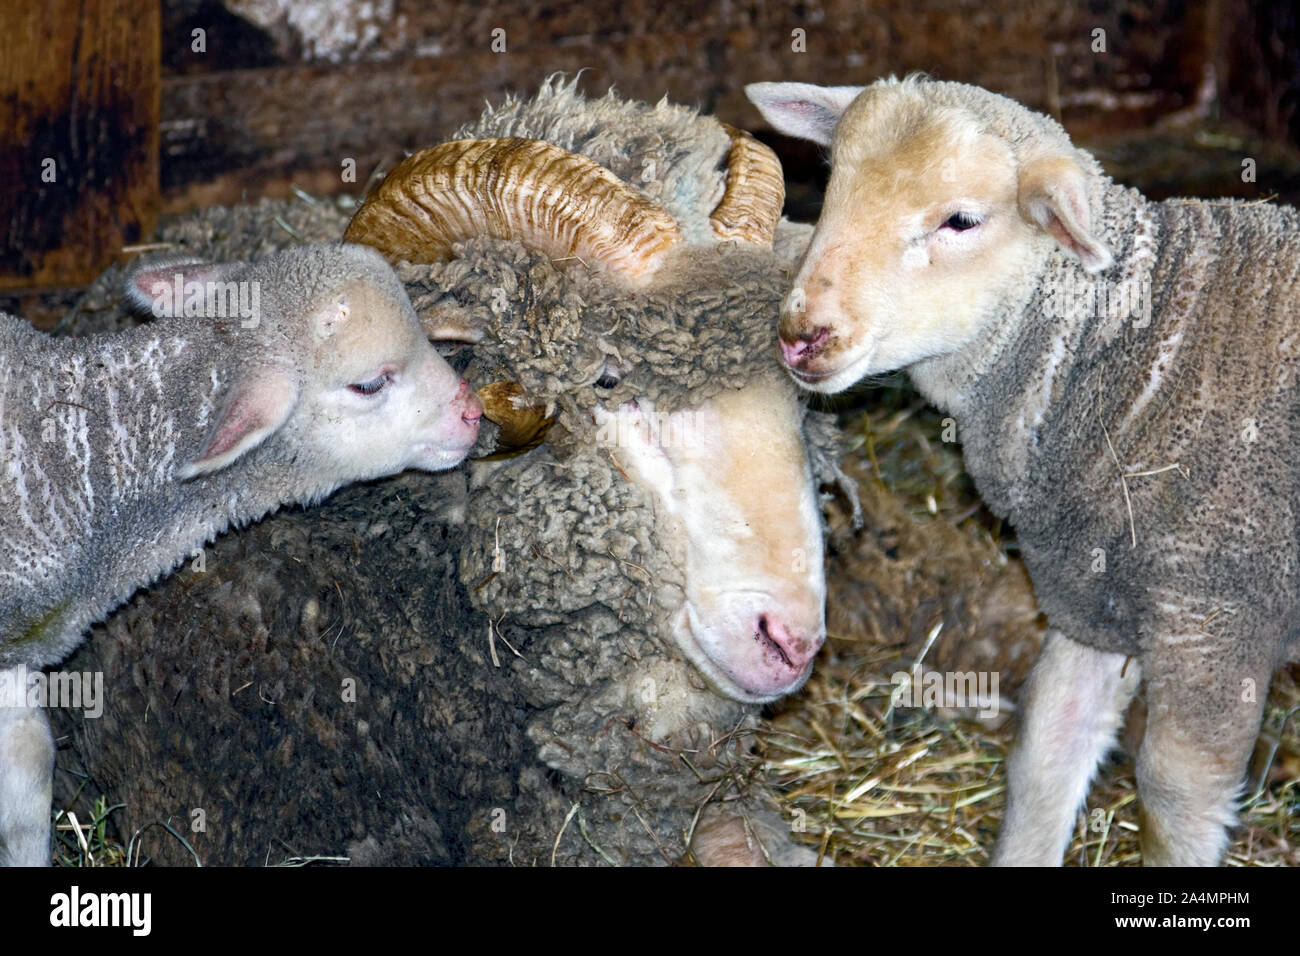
(122, 454)
(1138, 429)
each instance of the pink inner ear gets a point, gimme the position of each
(243, 419)
(1090, 252)
(145, 286)
(1062, 235)
(262, 402)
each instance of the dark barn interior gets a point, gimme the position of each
(165, 107)
(151, 109)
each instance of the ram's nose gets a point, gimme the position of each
(794, 649)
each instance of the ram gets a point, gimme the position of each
(124, 453)
(1123, 373)
(561, 662)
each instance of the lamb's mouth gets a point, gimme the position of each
(836, 379)
(721, 679)
(444, 453)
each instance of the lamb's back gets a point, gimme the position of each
(1193, 412)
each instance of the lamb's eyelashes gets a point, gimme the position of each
(962, 221)
(372, 387)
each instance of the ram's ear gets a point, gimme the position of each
(162, 289)
(446, 321)
(255, 408)
(802, 109)
(1053, 195)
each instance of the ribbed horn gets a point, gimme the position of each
(552, 200)
(521, 429)
(751, 206)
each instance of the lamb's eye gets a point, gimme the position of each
(372, 387)
(608, 379)
(961, 221)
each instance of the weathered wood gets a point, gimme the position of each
(370, 81)
(79, 99)
(255, 130)
(1258, 62)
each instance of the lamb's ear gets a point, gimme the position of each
(160, 288)
(254, 409)
(1053, 195)
(802, 109)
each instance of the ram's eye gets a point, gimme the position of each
(372, 387)
(961, 221)
(610, 376)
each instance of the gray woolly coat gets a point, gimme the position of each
(92, 435)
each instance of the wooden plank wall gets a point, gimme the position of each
(79, 153)
(173, 104)
(423, 69)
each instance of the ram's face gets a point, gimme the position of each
(733, 484)
(735, 502)
(918, 239)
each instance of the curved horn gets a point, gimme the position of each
(562, 204)
(522, 429)
(751, 206)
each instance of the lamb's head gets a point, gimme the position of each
(333, 369)
(944, 204)
(674, 493)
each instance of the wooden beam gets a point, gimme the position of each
(79, 99)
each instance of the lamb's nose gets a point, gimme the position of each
(805, 346)
(473, 407)
(795, 651)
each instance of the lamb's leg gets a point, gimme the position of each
(1071, 708)
(26, 780)
(1203, 716)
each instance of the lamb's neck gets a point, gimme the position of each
(137, 409)
(1001, 387)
